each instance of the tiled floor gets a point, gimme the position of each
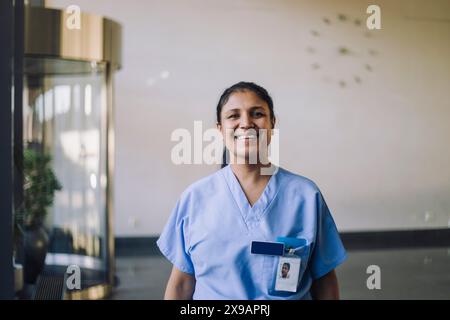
(405, 274)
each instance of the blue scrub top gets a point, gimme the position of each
(210, 231)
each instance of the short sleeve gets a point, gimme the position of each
(328, 252)
(173, 242)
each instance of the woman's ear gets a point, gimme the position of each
(218, 126)
(273, 122)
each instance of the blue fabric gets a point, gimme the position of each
(211, 228)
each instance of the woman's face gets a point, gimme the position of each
(242, 118)
(284, 271)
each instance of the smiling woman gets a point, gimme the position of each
(209, 234)
(250, 126)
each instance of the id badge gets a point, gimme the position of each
(288, 272)
(288, 269)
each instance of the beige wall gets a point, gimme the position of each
(378, 149)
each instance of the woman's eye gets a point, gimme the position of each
(258, 114)
(232, 116)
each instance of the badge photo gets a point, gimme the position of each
(287, 274)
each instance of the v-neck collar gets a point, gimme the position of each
(251, 215)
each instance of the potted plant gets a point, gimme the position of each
(40, 185)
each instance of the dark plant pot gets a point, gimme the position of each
(35, 249)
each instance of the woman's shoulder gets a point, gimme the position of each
(204, 186)
(297, 181)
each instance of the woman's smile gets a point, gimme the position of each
(245, 136)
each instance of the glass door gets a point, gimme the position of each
(65, 126)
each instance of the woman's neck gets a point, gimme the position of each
(249, 172)
(252, 180)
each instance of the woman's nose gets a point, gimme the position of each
(246, 122)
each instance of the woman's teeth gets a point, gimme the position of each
(245, 137)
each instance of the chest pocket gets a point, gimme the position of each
(271, 267)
